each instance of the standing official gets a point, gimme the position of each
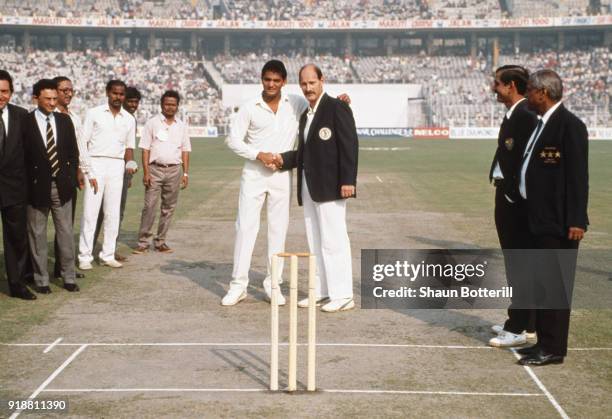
(51, 159)
(165, 148)
(130, 104)
(510, 86)
(554, 181)
(108, 131)
(65, 94)
(13, 195)
(326, 160)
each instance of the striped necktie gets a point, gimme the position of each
(52, 150)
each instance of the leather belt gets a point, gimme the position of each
(164, 165)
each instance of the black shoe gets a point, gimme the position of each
(80, 275)
(71, 287)
(22, 293)
(540, 358)
(528, 350)
(43, 290)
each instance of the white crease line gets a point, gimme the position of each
(365, 345)
(50, 347)
(51, 378)
(263, 390)
(442, 393)
(535, 378)
(379, 179)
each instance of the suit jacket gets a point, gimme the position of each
(557, 177)
(513, 136)
(12, 168)
(328, 157)
(37, 161)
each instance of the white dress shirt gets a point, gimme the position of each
(166, 142)
(497, 173)
(310, 116)
(256, 128)
(5, 118)
(106, 135)
(41, 121)
(531, 145)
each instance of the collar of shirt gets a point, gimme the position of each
(5, 118)
(122, 112)
(42, 117)
(164, 120)
(549, 112)
(261, 102)
(513, 107)
(313, 110)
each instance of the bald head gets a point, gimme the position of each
(311, 83)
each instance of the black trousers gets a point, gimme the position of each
(513, 232)
(15, 237)
(552, 324)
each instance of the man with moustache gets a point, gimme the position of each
(326, 161)
(554, 182)
(165, 148)
(108, 131)
(51, 159)
(510, 85)
(130, 104)
(65, 94)
(13, 195)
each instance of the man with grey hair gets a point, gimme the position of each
(553, 181)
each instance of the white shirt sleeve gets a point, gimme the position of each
(83, 138)
(238, 131)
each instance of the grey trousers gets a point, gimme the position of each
(165, 181)
(37, 237)
(126, 180)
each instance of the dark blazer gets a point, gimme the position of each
(513, 136)
(38, 165)
(557, 178)
(12, 168)
(328, 163)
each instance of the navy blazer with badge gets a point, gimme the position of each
(12, 170)
(514, 134)
(557, 178)
(37, 161)
(328, 157)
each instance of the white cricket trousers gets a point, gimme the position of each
(329, 241)
(258, 185)
(109, 175)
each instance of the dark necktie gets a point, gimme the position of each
(52, 150)
(2, 133)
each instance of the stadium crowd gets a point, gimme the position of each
(301, 9)
(91, 69)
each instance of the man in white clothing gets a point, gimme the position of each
(262, 128)
(108, 131)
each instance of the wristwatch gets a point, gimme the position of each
(186, 174)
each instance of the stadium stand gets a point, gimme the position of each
(90, 70)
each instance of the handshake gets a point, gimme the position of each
(272, 161)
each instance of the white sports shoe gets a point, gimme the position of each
(85, 266)
(267, 286)
(233, 296)
(340, 304)
(507, 339)
(112, 263)
(303, 303)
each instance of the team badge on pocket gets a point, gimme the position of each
(509, 143)
(325, 133)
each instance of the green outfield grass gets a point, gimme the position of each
(441, 176)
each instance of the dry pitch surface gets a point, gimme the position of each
(151, 340)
